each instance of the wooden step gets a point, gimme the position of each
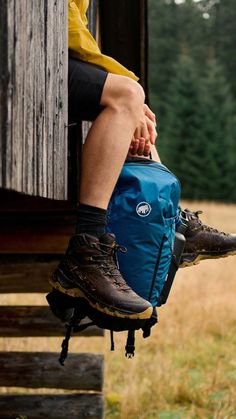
(26, 274)
(74, 406)
(42, 370)
(36, 321)
(35, 232)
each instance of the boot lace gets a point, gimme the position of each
(108, 263)
(195, 216)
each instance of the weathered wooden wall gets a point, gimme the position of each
(33, 97)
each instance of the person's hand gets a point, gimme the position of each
(151, 123)
(148, 112)
(147, 126)
(139, 147)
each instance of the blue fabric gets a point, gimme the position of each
(178, 218)
(142, 214)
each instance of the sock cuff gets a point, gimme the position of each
(91, 209)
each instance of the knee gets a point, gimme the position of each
(132, 93)
(131, 97)
(125, 95)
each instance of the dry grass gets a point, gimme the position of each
(187, 368)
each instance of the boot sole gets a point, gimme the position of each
(192, 259)
(111, 311)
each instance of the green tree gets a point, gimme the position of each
(180, 141)
(198, 141)
(218, 134)
(174, 30)
(224, 39)
(193, 92)
(163, 50)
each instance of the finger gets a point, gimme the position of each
(147, 149)
(135, 147)
(141, 146)
(138, 131)
(132, 142)
(151, 130)
(145, 131)
(151, 120)
(148, 112)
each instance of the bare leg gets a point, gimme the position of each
(109, 138)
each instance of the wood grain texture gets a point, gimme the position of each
(42, 370)
(76, 406)
(26, 277)
(32, 321)
(33, 97)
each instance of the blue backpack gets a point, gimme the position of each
(143, 212)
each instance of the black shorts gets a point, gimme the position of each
(85, 86)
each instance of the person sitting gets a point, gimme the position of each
(103, 91)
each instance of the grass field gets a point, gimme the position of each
(187, 368)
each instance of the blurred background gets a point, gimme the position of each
(192, 64)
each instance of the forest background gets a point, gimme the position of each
(192, 74)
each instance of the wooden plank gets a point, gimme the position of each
(61, 111)
(18, 203)
(3, 89)
(25, 277)
(22, 321)
(37, 243)
(42, 370)
(51, 239)
(34, 225)
(33, 97)
(76, 406)
(74, 162)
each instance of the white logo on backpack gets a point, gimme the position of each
(143, 209)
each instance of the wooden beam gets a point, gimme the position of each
(36, 321)
(76, 406)
(35, 235)
(17, 203)
(35, 225)
(42, 370)
(25, 277)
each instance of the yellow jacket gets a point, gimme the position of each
(83, 46)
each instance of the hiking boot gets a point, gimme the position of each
(88, 270)
(204, 242)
